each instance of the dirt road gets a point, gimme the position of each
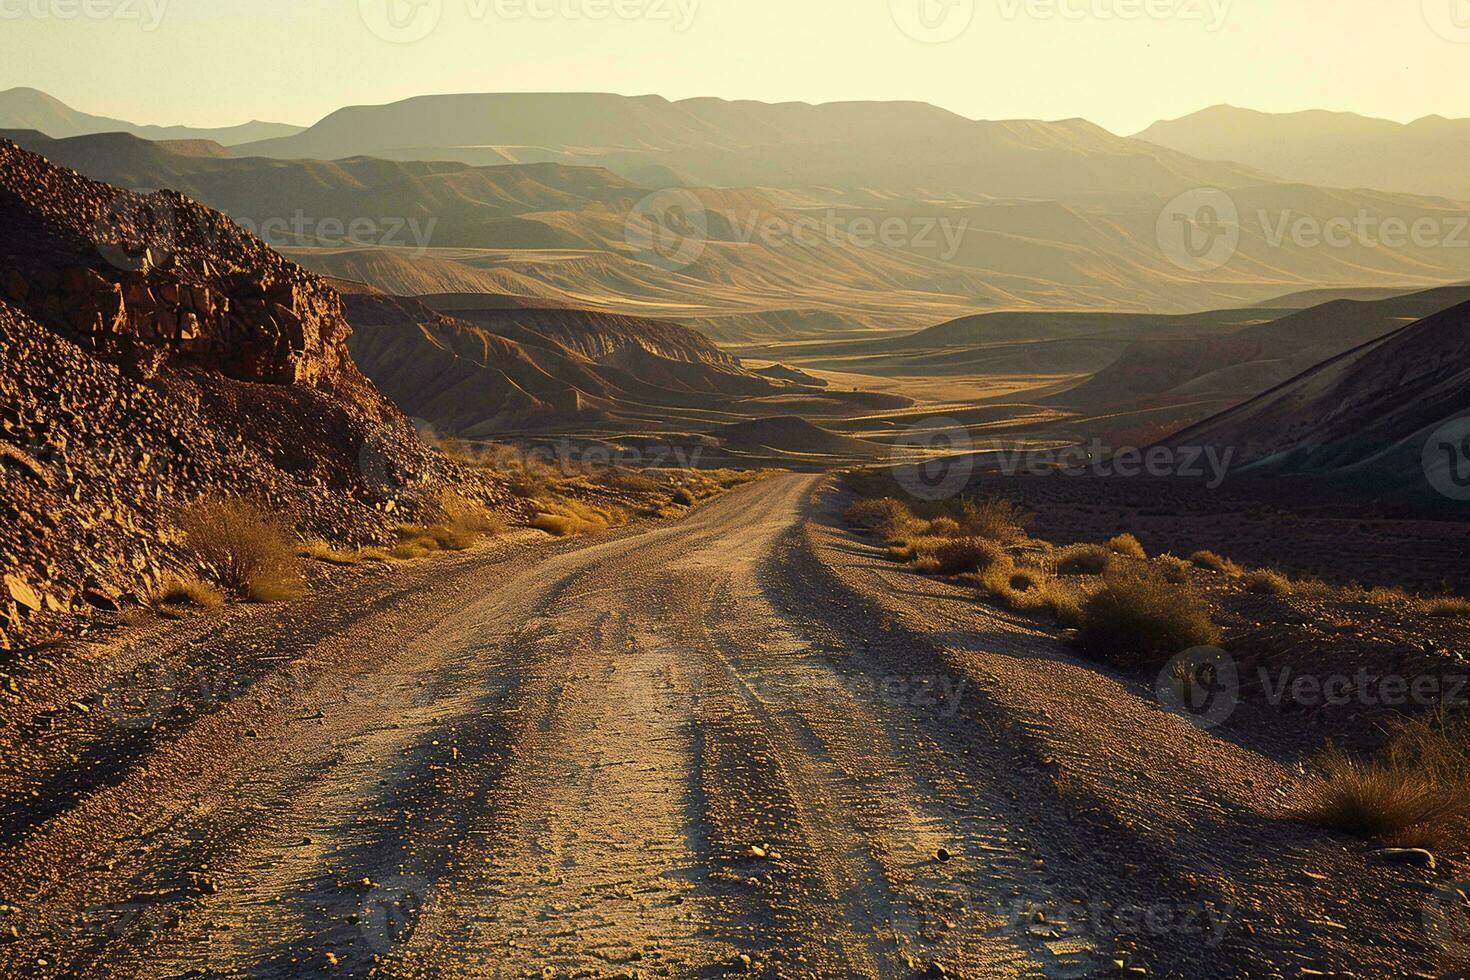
(729, 744)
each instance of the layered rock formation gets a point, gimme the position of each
(151, 351)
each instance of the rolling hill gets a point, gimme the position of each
(1333, 149)
(1365, 414)
(28, 108)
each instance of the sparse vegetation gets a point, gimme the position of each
(1138, 619)
(1211, 562)
(957, 556)
(185, 589)
(683, 497)
(1084, 559)
(1414, 792)
(1268, 581)
(1448, 607)
(1127, 545)
(452, 522)
(247, 551)
(566, 517)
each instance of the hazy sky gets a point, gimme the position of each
(1120, 63)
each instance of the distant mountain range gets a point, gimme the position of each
(1333, 149)
(27, 108)
(561, 233)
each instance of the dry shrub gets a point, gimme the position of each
(1448, 607)
(565, 518)
(246, 550)
(683, 497)
(185, 589)
(881, 514)
(1267, 581)
(1173, 568)
(1021, 589)
(1127, 545)
(451, 522)
(1414, 792)
(631, 481)
(1212, 562)
(959, 556)
(944, 527)
(1140, 620)
(1084, 559)
(995, 518)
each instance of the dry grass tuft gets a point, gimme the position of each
(1268, 581)
(249, 553)
(565, 518)
(1128, 546)
(995, 518)
(185, 589)
(1084, 559)
(1140, 620)
(1212, 562)
(683, 497)
(1174, 569)
(959, 556)
(451, 522)
(1448, 607)
(1414, 792)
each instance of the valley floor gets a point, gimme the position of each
(737, 743)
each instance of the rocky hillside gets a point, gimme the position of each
(1375, 414)
(150, 351)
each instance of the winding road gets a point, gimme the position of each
(680, 750)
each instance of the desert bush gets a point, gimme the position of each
(1212, 562)
(1127, 545)
(1084, 559)
(1448, 607)
(944, 527)
(566, 517)
(683, 497)
(246, 550)
(1140, 620)
(1173, 568)
(995, 518)
(185, 589)
(1021, 589)
(449, 522)
(881, 514)
(959, 556)
(1268, 581)
(1414, 792)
